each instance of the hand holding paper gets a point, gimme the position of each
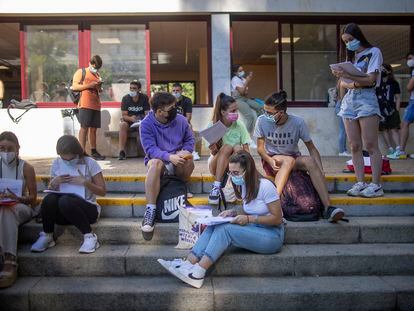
(212, 221)
(346, 69)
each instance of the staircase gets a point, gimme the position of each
(366, 264)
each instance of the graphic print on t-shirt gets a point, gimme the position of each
(363, 62)
(281, 139)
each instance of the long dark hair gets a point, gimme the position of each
(67, 144)
(223, 103)
(391, 76)
(234, 69)
(356, 32)
(251, 175)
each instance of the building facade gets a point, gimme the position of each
(286, 44)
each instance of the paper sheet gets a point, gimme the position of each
(71, 188)
(349, 68)
(211, 221)
(15, 186)
(136, 124)
(214, 133)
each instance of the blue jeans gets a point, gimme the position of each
(342, 134)
(256, 238)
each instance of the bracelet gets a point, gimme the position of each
(248, 221)
(355, 85)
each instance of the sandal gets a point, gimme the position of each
(8, 276)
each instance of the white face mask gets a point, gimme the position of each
(7, 157)
(410, 63)
(93, 69)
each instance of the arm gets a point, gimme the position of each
(314, 153)
(188, 116)
(243, 89)
(246, 148)
(262, 152)
(30, 178)
(127, 118)
(189, 141)
(96, 185)
(274, 219)
(369, 80)
(76, 86)
(410, 85)
(397, 101)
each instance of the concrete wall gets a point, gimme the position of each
(39, 129)
(302, 7)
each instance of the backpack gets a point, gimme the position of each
(173, 194)
(75, 95)
(386, 107)
(386, 166)
(299, 199)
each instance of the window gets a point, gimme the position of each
(10, 62)
(179, 53)
(255, 48)
(123, 52)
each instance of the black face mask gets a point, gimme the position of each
(172, 114)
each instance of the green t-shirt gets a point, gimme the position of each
(236, 134)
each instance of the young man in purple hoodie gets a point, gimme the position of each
(168, 142)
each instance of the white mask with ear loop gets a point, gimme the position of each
(7, 157)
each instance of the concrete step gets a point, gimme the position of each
(201, 183)
(293, 260)
(124, 205)
(358, 230)
(217, 293)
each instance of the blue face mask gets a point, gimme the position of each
(270, 118)
(353, 45)
(237, 180)
(133, 93)
(71, 163)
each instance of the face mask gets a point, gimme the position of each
(7, 157)
(410, 63)
(353, 45)
(237, 180)
(172, 114)
(133, 93)
(232, 116)
(241, 74)
(71, 163)
(270, 118)
(177, 95)
(92, 69)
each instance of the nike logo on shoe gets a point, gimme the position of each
(191, 276)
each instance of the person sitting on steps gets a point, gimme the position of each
(235, 139)
(278, 134)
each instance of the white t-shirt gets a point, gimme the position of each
(92, 168)
(370, 61)
(267, 194)
(236, 82)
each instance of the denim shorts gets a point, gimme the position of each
(409, 112)
(359, 103)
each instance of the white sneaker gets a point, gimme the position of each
(176, 263)
(43, 242)
(372, 191)
(90, 243)
(344, 154)
(188, 274)
(214, 196)
(196, 156)
(412, 156)
(356, 189)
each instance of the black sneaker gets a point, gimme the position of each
(334, 214)
(97, 156)
(122, 155)
(148, 223)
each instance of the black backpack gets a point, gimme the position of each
(173, 193)
(75, 95)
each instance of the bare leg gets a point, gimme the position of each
(220, 162)
(307, 163)
(152, 181)
(369, 134)
(92, 137)
(123, 135)
(83, 132)
(286, 164)
(395, 137)
(184, 171)
(353, 131)
(404, 134)
(386, 138)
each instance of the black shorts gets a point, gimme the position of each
(89, 118)
(391, 122)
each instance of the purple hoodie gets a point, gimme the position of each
(160, 140)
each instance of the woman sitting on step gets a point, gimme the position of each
(17, 199)
(236, 138)
(258, 227)
(76, 179)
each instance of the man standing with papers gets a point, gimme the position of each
(360, 109)
(134, 107)
(168, 142)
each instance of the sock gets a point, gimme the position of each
(93, 150)
(217, 184)
(151, 206)
(199, 272)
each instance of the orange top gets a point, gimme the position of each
(89, 98)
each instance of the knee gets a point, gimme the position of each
(155, 166)
(371, 147)
(65, 204)
(309, 163)
(289, 162)
(355, 147)
(227, 149)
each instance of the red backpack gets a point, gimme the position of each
(299, 199)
